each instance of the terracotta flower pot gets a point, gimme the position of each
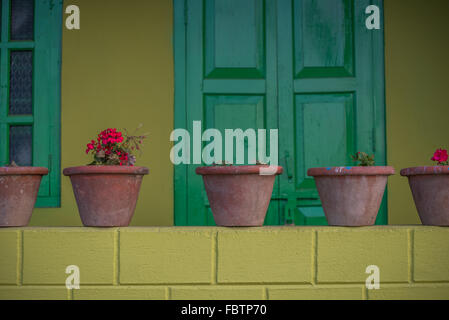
(238, 195)
(18, 192)
(430, 189)
(351, 196)
(106, 195)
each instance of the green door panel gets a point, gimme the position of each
(323, 38)
(308, 68)
(234, 39)
(232, 112)
(324, 129)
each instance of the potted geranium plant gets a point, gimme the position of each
(430, 189)
(351, 196)
(19, 187)
(239, 195)
(107, 189)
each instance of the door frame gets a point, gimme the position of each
(180, 108)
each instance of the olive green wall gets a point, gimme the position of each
(117, 71)
(417, 68)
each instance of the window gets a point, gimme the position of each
(30, 63)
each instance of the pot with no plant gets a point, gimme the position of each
(107, 189)
(430, 189)
(19, 187)
(239, 195)
(351, 196)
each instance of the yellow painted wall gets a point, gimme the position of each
(117, 71)
(417, 69)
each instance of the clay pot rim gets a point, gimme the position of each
(5, 171)
(351, 171)
(425, 170)
(234, 170)
(113, 169)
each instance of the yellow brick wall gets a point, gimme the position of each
(221, 263)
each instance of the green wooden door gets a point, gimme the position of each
(331, 99)
(309, 68)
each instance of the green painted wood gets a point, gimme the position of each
(48, 35)
(378, 101)
(45, 120)
(324, 131)
(4, 70)
(234, 48)
(309, 68)
(331, 93)
(180, 113)
(230, 81)
(323, 38)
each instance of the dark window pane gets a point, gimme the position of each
(20, 145)
(21, 83)
(22, 19)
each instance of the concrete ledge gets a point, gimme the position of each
(225, 263)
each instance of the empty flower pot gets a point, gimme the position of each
(106, 195)
(430, 190)
(351, 196)
(19, 187)
(238, 195)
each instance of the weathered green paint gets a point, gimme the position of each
(45, 119)
(330, 106)
(180, 119)
(309, 68)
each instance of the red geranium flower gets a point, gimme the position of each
(440, 156)
(114, 148)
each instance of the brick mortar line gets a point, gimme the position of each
(220, 229)
(263, 287)
(411, 252)
(116, 266)
(20, 256)
(236, 284)
(214, 257)
(315, 257)
(168, 293)
(264, 293)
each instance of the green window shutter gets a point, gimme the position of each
(30, 60)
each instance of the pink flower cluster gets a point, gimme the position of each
(108, 144)
(441, 157)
